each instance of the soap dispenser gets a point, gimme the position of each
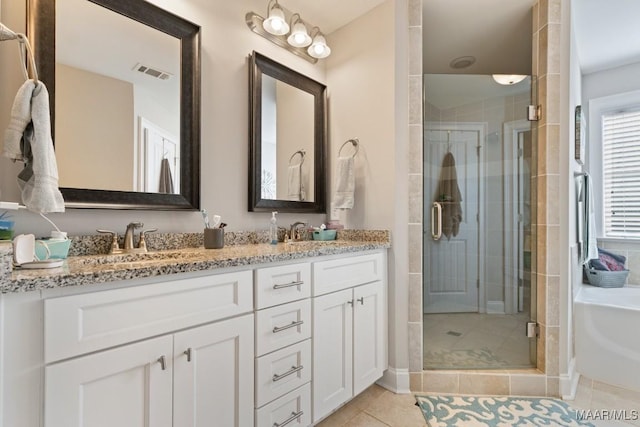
(273, 229)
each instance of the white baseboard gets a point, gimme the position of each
(495, 307)
(395, 380)
(569, 382)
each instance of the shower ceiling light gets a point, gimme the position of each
(275, 29)
(508, 79)
(462, 62)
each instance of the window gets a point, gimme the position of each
(621, 173)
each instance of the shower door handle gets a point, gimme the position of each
(436, 213)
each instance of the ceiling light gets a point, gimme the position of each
(275, 23)
(508, 79)
(462, 62)
(319, 48)
(299, 36)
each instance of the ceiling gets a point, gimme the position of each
(329, 15)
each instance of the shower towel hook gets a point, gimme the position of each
(355, 142)
(302, 153)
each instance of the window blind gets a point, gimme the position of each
(621, 172)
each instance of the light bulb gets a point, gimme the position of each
(275, 23)
(299, 36)
(319, 48)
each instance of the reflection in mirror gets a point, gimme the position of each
(124, 77)
(287, 142)
(114, 91)
(288, 133)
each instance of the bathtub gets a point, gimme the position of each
(607, 335)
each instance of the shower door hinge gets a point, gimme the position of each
(533, 330)
(533, 113)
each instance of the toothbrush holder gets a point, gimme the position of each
(213, 238)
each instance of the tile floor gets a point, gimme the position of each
(475, 341)
(377, 407)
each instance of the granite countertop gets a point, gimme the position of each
(87, 269)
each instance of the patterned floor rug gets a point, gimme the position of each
(462, 359)
(502, 411)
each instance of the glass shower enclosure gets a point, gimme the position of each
(478, 289)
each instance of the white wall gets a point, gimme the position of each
(226, 44)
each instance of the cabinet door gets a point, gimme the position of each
(213, 374)
(368, 335)
(125, 387)
(332, 351)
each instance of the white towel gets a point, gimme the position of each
(346, 183)
(28, 138)
(294, 182)
(590, 223)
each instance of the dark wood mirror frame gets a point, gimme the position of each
(41, 28)
(259, 65)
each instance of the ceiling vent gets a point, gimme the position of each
(158, 74)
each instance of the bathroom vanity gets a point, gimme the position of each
(249, 335)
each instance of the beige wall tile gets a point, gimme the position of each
(553, 351)
(554, 14)
(415, 297)
(415, 248)
(553, 301)
(553, 387)
(552, 95)
(415, 13)
(553, 149)
(553, 49)
(553, 251)
(415, 100)
(440, 382)
(415, 382)
(415, 51)
(541, 349)
(528, 385)
(541, 303)
(535, 11)
(543, 13)
(484, 384)
(542, 97)
(415, 198)
(415, 347)
(415, 149)
(543, 48)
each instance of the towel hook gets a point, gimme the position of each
(7, 34)
(354, 142)
(302, 153)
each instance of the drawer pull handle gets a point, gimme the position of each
(350, 302)
(277, 329)
(288, 285)
(361, 300)
(188, 353)
(163, 362)
(291, 371)
(294, 416)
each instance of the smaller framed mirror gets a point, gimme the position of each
(287, 143)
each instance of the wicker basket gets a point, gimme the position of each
(606, 279)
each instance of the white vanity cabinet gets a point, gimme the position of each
(349, 329)
(283, 345)
(193, 377)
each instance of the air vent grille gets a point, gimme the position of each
(153, 72)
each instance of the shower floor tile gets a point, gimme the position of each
(475, 341)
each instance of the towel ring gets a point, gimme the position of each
(302, 153)
(354, 142)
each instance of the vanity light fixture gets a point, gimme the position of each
(319, 48)
(299, 42)
(508, 79)
(275, 23)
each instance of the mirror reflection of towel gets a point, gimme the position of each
(448, 195)
(294, 182)
(166, 180)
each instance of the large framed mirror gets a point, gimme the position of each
(124, 83)
(288, 131)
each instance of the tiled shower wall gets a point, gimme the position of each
(546, 66)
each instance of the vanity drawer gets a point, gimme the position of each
(294, 407)
(282, 326)
(282, 284)
(283, 370)
(337, 274)
(83, 323)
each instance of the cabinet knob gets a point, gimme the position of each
(361, 300)
(350, 302)
(188, 353)
(163, 362)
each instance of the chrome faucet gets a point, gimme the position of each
(294, 231)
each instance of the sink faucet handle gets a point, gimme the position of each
(142, 243)
(114, 240)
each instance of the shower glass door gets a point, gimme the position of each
(477, 290)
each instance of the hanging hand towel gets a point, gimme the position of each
(346, 183)
(166, 179)
(28, 138)
(448, 195)
(294, 182)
